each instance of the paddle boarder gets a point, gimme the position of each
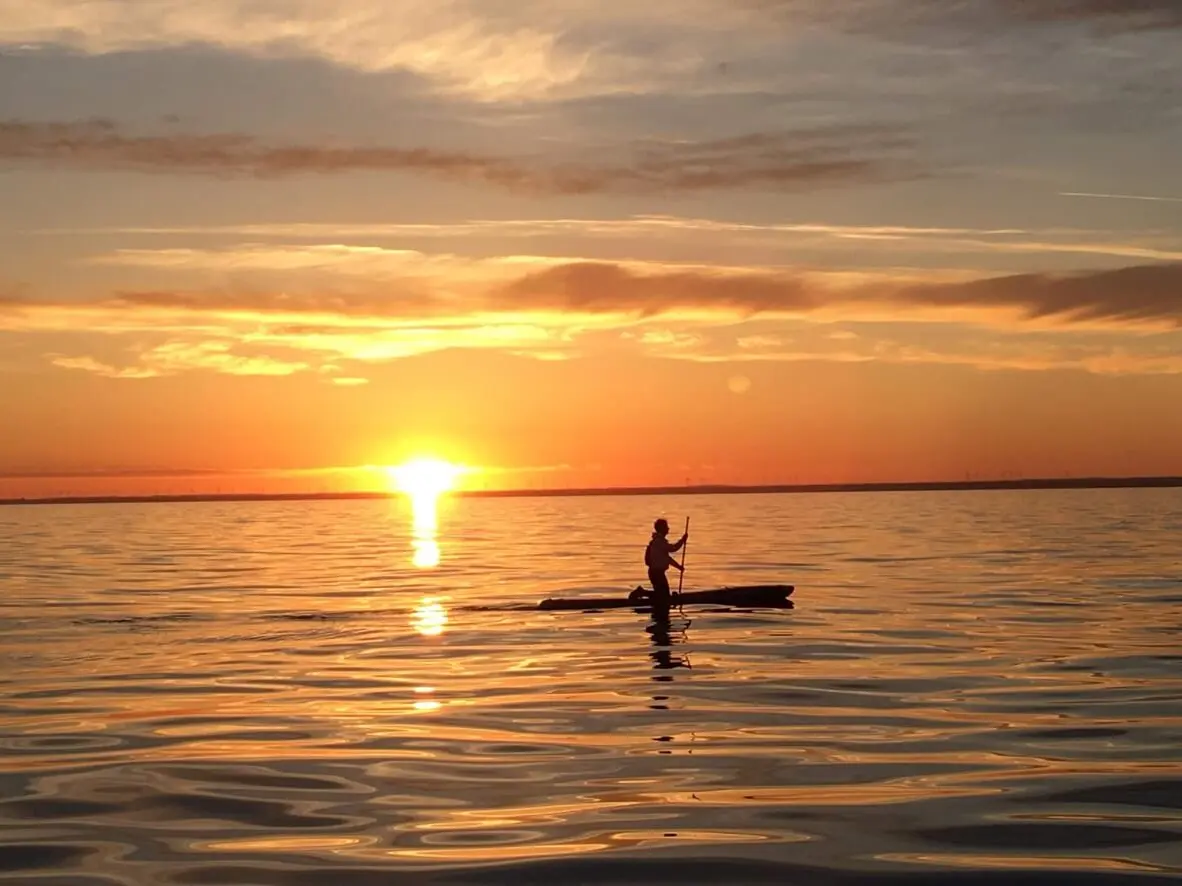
(658, 560)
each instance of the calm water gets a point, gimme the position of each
(979, 686)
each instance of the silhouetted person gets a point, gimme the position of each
(658, 560)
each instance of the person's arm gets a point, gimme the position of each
(677, 545)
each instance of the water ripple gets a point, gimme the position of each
(979, 688)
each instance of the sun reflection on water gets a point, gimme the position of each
(425, 529)
(426, 703)
(430, 617)
(424, 482)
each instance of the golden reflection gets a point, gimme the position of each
(293, 843)
(695, 836)
(425, 526)
(423, 481)
(426, 704)
(430, 618)
(424, 508)
(1044, 862)
(426, 554)
(503, 853)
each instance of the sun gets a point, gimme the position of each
(424, 478)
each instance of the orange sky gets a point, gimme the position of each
(601, 245)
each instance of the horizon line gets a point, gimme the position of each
(1096, 482)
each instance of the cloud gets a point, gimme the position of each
(455, 44)
(1126, 14)
(531, 228)
(686, 312)
(1017, 348)
(246, 304)
(176, 356)
(66, 474)
(876, 15)
(655, 236)
(169, 336)
(598, 287)
(1140, 293)
(618, 291)
(529, 49)
(824, 155)
(342, 278)
(1151, 199)
(818, 156)
(99, 144)
(173, 357)
(89, 364)
(115, 472)
(366, 260)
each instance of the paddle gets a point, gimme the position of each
(681, 571)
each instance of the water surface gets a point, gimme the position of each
(979, 686)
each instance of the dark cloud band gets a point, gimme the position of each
(825, 156)
(1141, 293)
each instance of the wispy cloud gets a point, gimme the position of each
(146, 473)
(572, 309)
(455, 44)
(164, 335)
(1147, 197)
(375, 260)
(819, 156)
(379, 472)
(89, 364)
(525, 227)
(218, 356)
(1130, 14)
(173, 357)
(1140, 293)
(365, 260)
(651, 238)
(100, 144)
(1018, 348)
(528, 49)
(1143, 293)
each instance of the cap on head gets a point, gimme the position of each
(661, 525)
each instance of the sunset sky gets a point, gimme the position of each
(258, 246)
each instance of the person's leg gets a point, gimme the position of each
(660, 583)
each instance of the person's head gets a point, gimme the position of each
(660, 526)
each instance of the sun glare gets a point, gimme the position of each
(423, 477)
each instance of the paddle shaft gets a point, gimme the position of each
(681, 571)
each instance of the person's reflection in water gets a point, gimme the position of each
(660, 628)
(665, 659)
(663, 656)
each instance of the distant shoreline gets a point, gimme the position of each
(700, 489)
